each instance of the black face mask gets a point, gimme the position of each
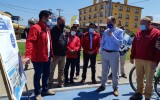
(62, 25)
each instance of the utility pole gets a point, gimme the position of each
(109, 8)
(99, 15)
(59, 10)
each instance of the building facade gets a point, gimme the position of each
(126, 15)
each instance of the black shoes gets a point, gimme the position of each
(136, 96)
(101, 88)
(124, 76)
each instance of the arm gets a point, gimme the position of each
(118, 40)
(32, 37)
(102, 42)
(129, 44)
(77, 45)
(98, 44)
(133, 50)
(82, 42)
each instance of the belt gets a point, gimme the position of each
(109, 50)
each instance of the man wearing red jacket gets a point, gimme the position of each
(90, 43)
(73, 47)
(39, 51)
(146, 57)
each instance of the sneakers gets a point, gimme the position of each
(82, 81)
(94, 81)
(115, 92)
(49, 92)
(124, 76)
(60, 85)
(101, 88)
(50, 85)
(39, 97)
(136, 96)
(77, 77)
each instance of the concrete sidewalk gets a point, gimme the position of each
(30, 73)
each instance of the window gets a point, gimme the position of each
(80, 18)
(95, 8)
(84, 24)
(135, 25)
(126, 24)
(136, 18)
(90, 16)
(101, 21)
(101, 14)
(85, 11)
(95, 15)
(127, 16)
(120, 8)
(80, 12)
(102, 6)
(84, 17)
(128, 9)
(120, 16)
(90, 10)
(136, 11)
(94, 22)
(115, 13)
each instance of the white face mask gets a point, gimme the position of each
(49, 22)
(73, 33)
(91, 30)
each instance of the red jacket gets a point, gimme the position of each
(37, 43)
(73, 44)
(85, 42)
(143, 46)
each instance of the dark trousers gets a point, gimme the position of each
(86, 59)
(78, 64)
(41, 69)
(72, 62)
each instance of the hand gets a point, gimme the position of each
(132, 61)
(110, 33)
(158, 45)
(26, 60)
(72, 52)
(154, 65)
(90, 53)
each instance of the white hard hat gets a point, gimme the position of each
(76, 22)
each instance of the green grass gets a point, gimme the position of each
(21, 46)
(99, 56)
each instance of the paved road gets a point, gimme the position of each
(30, 74)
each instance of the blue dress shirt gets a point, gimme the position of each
(114, 41)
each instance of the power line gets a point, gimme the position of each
(19, 6)
(17, 9)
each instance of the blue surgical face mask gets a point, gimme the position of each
(110, 26)
(143, 27)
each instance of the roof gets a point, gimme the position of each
(114, 3)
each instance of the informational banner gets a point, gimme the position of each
(10, 58)
(72, 20)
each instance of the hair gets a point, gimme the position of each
(45, 13)
(112, 18)
(73, 27)
(59, 18)
(92, 24)
(146, 19)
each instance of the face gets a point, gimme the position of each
(74, 29)
(109, 21)
(146, 23)
(76, 25)
(46, 18)
(92, 26)
(61, 21)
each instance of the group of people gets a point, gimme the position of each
(47, 48)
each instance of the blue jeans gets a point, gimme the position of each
(41, 69)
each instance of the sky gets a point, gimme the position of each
(27, 9)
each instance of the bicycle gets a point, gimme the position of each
(156, 80)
